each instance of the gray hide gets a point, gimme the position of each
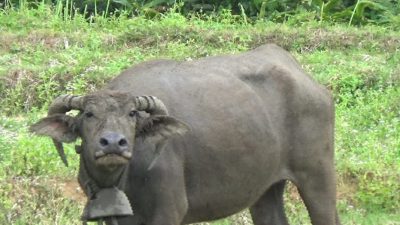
(256, 119)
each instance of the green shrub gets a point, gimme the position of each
(349, 11)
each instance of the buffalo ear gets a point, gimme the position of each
(159, 128)
(60, 127)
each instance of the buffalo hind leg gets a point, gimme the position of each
(269, 210)
(318, 192)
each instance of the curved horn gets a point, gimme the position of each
(151, 104)
(61, 105)
(65, 103)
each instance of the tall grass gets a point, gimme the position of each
(351, 12)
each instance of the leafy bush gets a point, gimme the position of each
(350, 11)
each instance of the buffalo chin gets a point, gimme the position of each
(111, 160)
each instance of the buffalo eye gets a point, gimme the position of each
(133, 113)
(89, 114)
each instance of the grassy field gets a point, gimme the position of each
(44, 53)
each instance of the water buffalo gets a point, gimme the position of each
(204, 139)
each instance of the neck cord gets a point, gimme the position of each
(92, 188)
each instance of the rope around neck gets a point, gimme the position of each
(92, 189)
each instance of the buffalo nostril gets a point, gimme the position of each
(122, 142)
(113, 142)
(103, 142)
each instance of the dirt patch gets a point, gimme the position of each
(49, 40)
(37, 187)
(71, 190)
(347, 187)
(8, 134)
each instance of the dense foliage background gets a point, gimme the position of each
(352, 11)
(48, 48)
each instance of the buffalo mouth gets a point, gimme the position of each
(112, 158)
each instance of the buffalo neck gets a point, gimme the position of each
(95, 177)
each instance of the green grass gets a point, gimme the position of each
(43, 54)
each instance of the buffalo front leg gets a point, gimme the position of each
(318, 191)
(166, 190)
(269, 210)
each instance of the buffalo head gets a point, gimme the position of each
(108, 124)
